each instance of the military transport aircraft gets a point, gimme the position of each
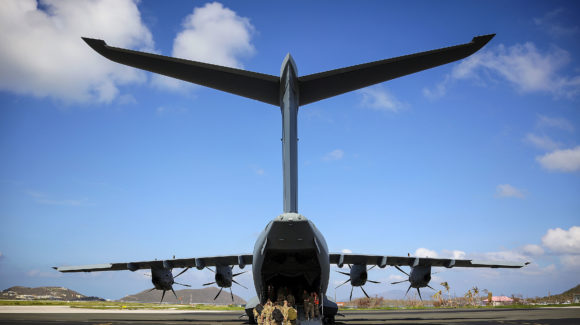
(290, 251)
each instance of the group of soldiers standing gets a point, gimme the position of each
(284, 312)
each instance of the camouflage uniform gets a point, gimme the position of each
(291, 300)
(273, 321)
(308, 310)
(258, 316)
(267, 313)
(315, 304)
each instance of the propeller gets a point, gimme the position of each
(164, 280)
(360, 273)
(413, 284)
(222, 280)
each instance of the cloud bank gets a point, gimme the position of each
(524, 66)
(42, 54)
(211, 34)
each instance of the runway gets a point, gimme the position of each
(49, 315)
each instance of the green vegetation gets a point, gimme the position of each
(115, 305)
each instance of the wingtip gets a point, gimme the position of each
(483, 39)
(94, 43)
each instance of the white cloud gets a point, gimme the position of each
(335, 154)
(454, 254)
(551, 23)
(562, 241)
(522, 65)
(555, 122)
(43, 274)
(533, 250)
(211, 34)
(542, 142)
(424, 252)
(564, 160)
(378, 98)
(506, 190)
(42, 54)
(259, 171)
(570, 261)
(346, 251)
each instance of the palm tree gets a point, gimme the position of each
(476, 293)
(469, 296)
(446, 286)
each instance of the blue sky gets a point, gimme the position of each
(476, 159)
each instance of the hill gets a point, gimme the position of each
(562, 297)
(188, 296)
(45, 293)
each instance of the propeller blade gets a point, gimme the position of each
(349, 266)
(236, 282)
(182, 284)
(206, 284)
(431, 288)
(343, 283)
(343, 273)
(151, 289)
(174, 293)
(398, 268)
(419, 291)
(214, 298)
(408, 290)
(371, 281)
(350, 299)
(235, 275)
(232, 294)
(366, 294)
(399, 282)
(180, 273)
(162, 296)
(370, 268)
(210, 269)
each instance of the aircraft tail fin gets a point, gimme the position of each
(258, 86)
(327, 84)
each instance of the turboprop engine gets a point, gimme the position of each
(419, 278)
(358, 277)
(163, 279)
(224, 279)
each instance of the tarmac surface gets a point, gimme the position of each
(64, 315)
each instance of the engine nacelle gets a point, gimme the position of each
(223, 276)
(358, 275)
(162, 278)
(420, 276)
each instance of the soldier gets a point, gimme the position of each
(277, 315)
(258, 314)
(267, 313)
(291, 300)
(308, 312)
(291, 315)
(315, 304)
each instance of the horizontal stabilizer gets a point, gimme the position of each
(258, 86)
(323, 85)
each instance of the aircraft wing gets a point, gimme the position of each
(199, 262)
(323, 85)
(383, 261)
(258, 86)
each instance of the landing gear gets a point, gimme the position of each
(328, 320)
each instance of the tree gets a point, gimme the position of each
(476, 294)
(446, 286)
